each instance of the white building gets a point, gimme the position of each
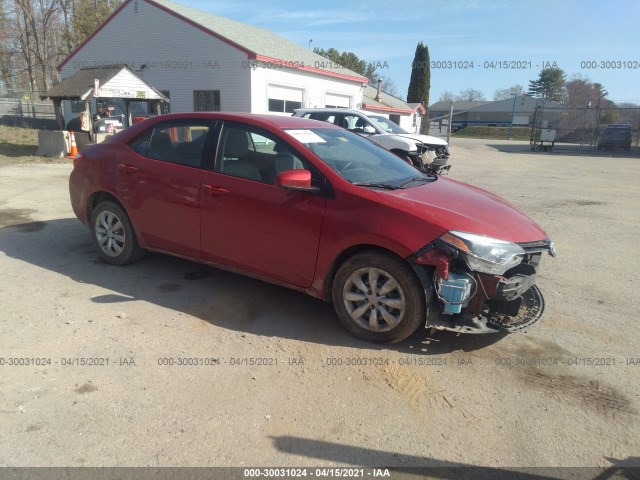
(203, 62)
(407, 115)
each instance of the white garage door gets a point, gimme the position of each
(283, 99)
(332, 100)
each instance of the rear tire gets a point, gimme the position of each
(113, 235)
(378, 297)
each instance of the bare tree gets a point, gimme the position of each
(7, 49)
(387, 84)
(470, 95)
(35, 35)
(446, 96)
(24, 36)
(40, 18)
(629, 113)
(504, 93)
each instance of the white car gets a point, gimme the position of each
(423, 151)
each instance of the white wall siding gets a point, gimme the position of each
(177, 57)
(126, 84)
(406, 122)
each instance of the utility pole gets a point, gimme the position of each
(450, 122)
(513, 112)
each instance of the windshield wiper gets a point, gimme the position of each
(425, 178)
(386, 186)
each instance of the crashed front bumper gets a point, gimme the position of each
(465, 301)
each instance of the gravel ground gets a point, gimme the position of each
(279, 382)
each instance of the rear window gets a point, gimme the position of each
(181, 143)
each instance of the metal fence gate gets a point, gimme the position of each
(580, 128)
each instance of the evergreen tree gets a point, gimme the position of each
(420, 82)
(550, 84)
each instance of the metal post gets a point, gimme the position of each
(513, 112)
(450, 122)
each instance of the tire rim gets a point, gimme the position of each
(374, 299)
(110, 234)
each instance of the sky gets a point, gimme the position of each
(485, 45)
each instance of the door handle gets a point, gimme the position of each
(214, 191)
(127, 168)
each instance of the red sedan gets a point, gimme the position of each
(310, 206)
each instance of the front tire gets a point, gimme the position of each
(378, 297)
(113, 234)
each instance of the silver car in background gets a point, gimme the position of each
(427, 153)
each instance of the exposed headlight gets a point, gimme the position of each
(485, 254)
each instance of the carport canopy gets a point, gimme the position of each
(109, 81)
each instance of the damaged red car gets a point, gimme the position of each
(313, 207)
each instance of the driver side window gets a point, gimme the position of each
(251, 153)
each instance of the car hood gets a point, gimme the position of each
(428, 139)
(454, 205)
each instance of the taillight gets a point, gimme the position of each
(77, 159)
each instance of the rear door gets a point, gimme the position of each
(250, 224)
(159, 179)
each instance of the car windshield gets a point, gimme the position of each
(387, 125)
(359, 160)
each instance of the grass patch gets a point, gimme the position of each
(494, 133)
(18, 142)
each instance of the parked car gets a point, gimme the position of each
(615, 136)
(424, 152)
(315, 208)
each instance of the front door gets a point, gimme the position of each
(250, 224)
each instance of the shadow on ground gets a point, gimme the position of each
(411, 466)
(216, 296)
(566, 149)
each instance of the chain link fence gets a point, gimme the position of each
(583, 128)
(25, 109)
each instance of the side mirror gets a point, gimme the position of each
(296, 180)
(369, 129)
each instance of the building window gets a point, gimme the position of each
(206, 100)
(77, 106)
(283, 106)
(165, 107)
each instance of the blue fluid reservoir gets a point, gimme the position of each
(454, 292)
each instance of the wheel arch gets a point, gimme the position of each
(346, 255)
(100, 196)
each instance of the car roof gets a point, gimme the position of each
(265, 121)
(330, 110)
(278, 121)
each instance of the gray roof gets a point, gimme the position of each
(524, 103)
(386, 102)
(80, 84)
(257, 41)
(457, 106)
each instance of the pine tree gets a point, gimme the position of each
(550, 84)
(420, 83)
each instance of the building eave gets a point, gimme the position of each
(381, 108)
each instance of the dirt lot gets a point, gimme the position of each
(279, 382)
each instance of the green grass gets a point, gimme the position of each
(18, 142)
(494, 133)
